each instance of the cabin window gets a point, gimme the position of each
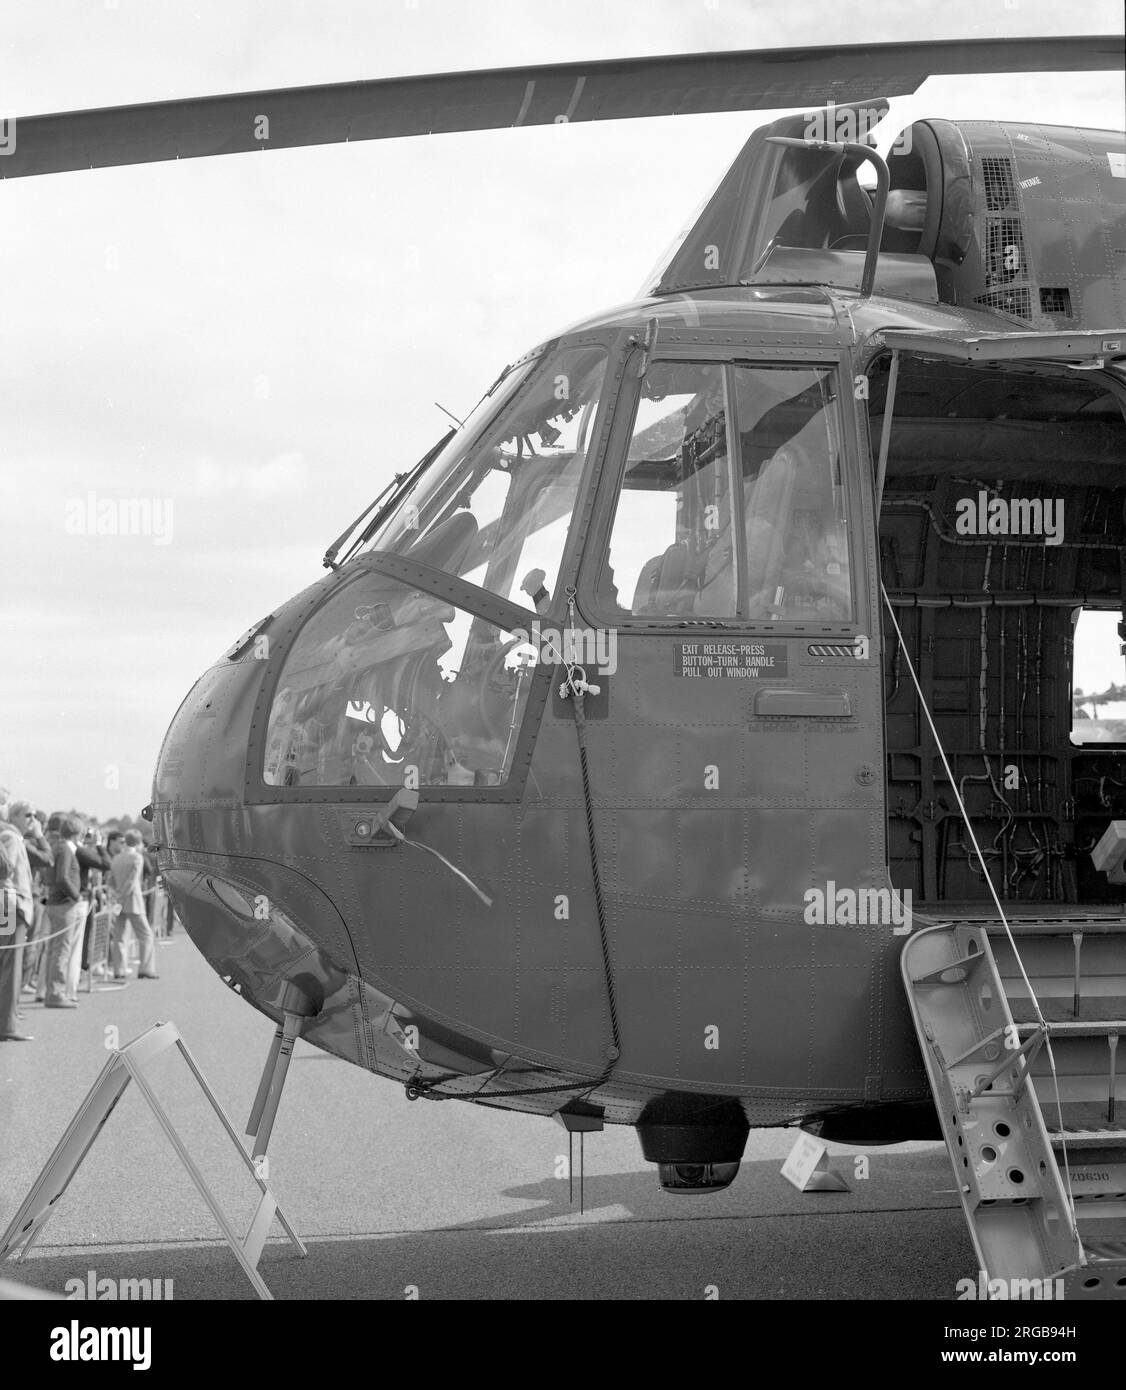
(731, 504)
(495, 507)
(389, 686)
(1098, 696)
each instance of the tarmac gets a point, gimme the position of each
(397, 1199)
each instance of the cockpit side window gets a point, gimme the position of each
(671, 551)
(388, 686)
(496, 510)
(731, 504)
(793, 495)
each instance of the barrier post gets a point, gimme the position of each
(99, 954)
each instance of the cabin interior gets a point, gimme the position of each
(1013, 630)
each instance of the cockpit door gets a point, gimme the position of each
(735, 758)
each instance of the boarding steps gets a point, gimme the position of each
(991, 1078)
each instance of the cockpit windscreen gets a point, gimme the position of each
(496, 509)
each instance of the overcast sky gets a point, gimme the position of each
(259, 340)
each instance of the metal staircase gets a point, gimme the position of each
(1039, 1158)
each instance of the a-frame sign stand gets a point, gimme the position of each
(125, 1065)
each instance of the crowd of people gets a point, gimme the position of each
(56, 875)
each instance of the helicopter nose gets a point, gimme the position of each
(272, 934)
(201, 760)
(230, 903)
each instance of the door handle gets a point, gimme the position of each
(775, 703)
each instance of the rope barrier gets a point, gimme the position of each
(33, 941)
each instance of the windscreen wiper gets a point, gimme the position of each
(386, 499)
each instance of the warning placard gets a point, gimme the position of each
(708, 660)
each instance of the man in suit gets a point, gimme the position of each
(125, 885)
(16, 908)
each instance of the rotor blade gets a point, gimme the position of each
(617, 89)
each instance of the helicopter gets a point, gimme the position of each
(670, 747)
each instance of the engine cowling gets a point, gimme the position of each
(1023, 220)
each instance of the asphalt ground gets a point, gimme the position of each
(440, 1199)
